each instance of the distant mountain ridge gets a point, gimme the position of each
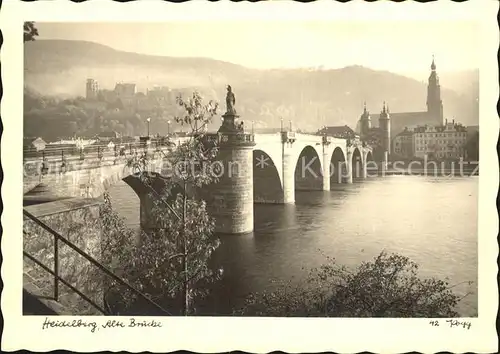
(310, 99)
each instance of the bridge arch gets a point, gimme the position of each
(357, 163)
(369, 156)
(267, 182)
(338, 167)
(308, 170)
(157, 169)
(160, 178)
(157, 186)
(371, 164)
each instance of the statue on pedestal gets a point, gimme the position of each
(228, 123)
(230, 101)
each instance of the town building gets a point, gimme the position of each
(125, 90)
(121, 90)
(37, 144)
(378, 137)
(403, 145)
(446, 141)
(91, 89)
(472, 129)
(341, 131)
(160, 91)
(398, 121)
(108, 136)
(472, 145)
(107, 95)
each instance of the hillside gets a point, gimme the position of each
(309, 98)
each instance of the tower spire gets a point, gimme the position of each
(384, 124)
(434, 103)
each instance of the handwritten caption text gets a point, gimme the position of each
(93, 326)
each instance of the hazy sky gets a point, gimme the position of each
(403, 47)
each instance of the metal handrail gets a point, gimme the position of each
(59, 237)
(74, 150)
(47, 269)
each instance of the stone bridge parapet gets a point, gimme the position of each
(273, 167)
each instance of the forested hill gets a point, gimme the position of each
(309, 98)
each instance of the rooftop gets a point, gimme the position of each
(338, 131)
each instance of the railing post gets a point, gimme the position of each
(56, 268)
(82, 253)
(45, 167)
(63, 162)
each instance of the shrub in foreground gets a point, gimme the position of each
(387, 286)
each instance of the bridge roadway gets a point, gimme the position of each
(270, 167)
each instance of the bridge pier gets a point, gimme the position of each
(326, 171)
(232, 195)
(364, 171)
(232, 198)
(348, 178)
(146, 200)
(146, 206)
(289, 164)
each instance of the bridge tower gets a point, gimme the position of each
(365, 123)
(232, 195)
(385, 131)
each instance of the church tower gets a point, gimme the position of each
(365, 123)
(384, 123)
(434, 103)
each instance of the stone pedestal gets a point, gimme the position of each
(232, 195)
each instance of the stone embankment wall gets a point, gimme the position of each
(78, 221)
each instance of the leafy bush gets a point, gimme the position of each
(170, 262)
(388, 286)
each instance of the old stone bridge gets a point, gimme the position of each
(270, 168)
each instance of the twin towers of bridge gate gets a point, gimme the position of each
(381, 136)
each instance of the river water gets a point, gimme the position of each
(432, 220)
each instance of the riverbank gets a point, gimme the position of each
(426, 168)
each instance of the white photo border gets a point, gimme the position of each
(219, 334)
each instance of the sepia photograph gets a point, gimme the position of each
(220, 184)
(247, 168)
